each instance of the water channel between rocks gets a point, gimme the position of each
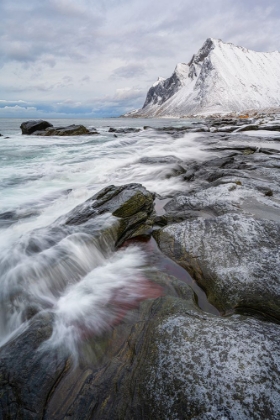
(170, 267)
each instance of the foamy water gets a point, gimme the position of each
(74, 272)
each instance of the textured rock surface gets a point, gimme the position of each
(30, 127)
(170, 361)
(228, 224)
(44, 128)
(214, 369)
(131, 203)
(236, 259)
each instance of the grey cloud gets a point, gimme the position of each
(129, 71)
(59, 27)
(81, 49)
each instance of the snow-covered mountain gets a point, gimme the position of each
(221, 77)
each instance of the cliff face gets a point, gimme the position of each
(221, 77)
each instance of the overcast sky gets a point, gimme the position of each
(91, 58)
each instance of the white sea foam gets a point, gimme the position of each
(69, 270)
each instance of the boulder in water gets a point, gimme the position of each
(44, 128)
(29, 127)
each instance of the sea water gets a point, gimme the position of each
(45, 266)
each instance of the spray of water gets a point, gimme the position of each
(74, 272)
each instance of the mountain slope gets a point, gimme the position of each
(221, 77)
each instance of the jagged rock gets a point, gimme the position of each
(131, 203)
(29, 127)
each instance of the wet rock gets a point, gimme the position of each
(226, 129)
(131, 203)
(173, 129)
(25, 386)
(234, 258)
(269, 193)
(225, 229)
(29, 127)
(159, 160)
(43, 128)
(270, 127)
(71, 130)
(167, 359)
(124, 130)
(248, 127)
(212, 368)
(175, 171)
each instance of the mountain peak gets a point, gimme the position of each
(220, 77)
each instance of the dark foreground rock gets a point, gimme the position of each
(43, 128)
(168, 361)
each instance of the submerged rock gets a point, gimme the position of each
(124, 130)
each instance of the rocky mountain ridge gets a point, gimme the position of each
(221, 77)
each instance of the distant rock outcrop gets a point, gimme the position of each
(44, 128)
(221, 77)
(29, 127)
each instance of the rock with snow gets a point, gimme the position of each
(220, 78)
(225, 230)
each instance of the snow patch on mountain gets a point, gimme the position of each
(221, 77)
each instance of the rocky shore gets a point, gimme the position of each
(167, 358)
